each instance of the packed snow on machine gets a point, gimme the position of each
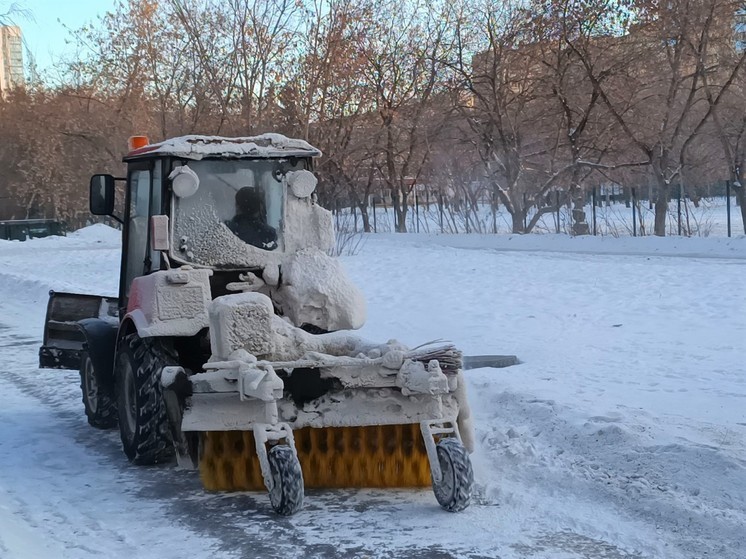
(230, 344)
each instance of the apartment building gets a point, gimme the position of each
(11, 57)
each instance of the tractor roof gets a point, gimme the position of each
(266, 146)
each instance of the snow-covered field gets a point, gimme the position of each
(621, 435)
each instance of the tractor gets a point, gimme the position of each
(230, 345)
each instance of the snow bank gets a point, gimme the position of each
(86, 261)
(97, 233)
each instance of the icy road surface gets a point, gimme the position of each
(622, 435)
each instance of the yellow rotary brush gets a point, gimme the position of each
(330, 457)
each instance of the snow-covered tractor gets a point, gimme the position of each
(230, 346)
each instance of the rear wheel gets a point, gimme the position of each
(286, 495)
(453, 491)
(98, 398)
(143, 421)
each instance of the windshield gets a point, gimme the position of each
(236, 211)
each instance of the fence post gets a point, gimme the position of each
(427, 209)
(416, 209)
(467, 212)
(557, 201)
(440, 207)
(494, 211)
(375, 229)
(727, 202)
(593, 203)
(394, 204)
(634, 213)
(678, 206)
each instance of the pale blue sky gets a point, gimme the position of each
(44, 35)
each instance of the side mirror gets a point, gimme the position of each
(102, 195)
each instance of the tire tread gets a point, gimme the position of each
(105, 415)
(152, 442)
(463, 473)
(283, 460)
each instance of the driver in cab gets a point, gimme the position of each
(250, 222)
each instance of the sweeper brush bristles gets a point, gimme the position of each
(332, 457)
(450, 359)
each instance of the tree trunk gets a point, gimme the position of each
(400, 209)
(518, 217)
(401, 219)
(579, 223)
(661, 210)
(366, 218)
(740, 192)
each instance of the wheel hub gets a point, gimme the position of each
(91, 387)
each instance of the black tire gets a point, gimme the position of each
(453, 491)
(143, 421)
(286, 496)
(98, 397)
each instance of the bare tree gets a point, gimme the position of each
(656, 97)
(403, 55)
(584, 138)
(503, 104)
(331, 107)
(513, 97)
(724, 86)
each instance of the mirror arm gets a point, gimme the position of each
(116, 217)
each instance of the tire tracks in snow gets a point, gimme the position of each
(241, 524)
(59, 476)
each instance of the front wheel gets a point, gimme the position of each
(98, 399)
(453, 491)
(143, 421)
(286, 495)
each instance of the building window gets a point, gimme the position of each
(739, 30)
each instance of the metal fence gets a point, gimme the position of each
(606, 215)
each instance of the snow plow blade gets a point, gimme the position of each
(63, 337)
(332, 457)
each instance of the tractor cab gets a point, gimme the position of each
(221, 215)
(230, 205)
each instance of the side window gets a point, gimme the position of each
(137, 245)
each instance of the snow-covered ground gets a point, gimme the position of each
(621, 435)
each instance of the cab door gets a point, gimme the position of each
(143, 199)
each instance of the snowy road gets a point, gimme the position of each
(623, 434)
